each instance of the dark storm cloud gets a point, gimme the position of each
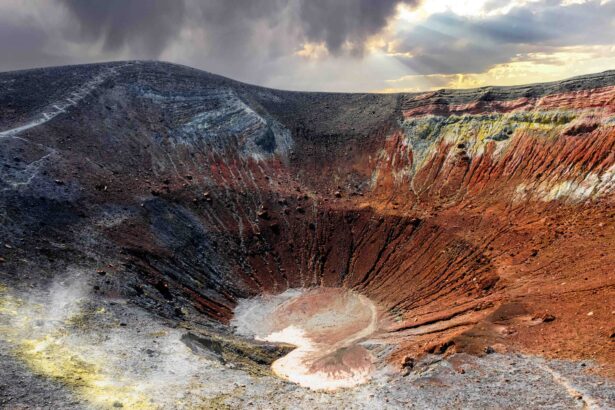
(240, 38)
(145, 25)
(338, 21)
(244, 39)
(150, 24)
(257, 40)
(447, 43)
(233, 29)
(23, 46)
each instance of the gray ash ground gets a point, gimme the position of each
(148, 364)
(22, 389)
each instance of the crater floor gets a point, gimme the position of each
(325, 325)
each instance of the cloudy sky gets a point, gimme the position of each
(329, 45)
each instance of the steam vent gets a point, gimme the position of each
(172, 239)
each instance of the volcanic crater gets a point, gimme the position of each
(202, 241)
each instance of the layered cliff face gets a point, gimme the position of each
(476, 220)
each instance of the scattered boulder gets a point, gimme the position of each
(407, 365)
(545, 317)
(440, 348)
(262, 213)
(163, 288)
(275, 228)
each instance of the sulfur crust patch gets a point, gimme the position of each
(49, 356)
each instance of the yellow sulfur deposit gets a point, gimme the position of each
(49, 355)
